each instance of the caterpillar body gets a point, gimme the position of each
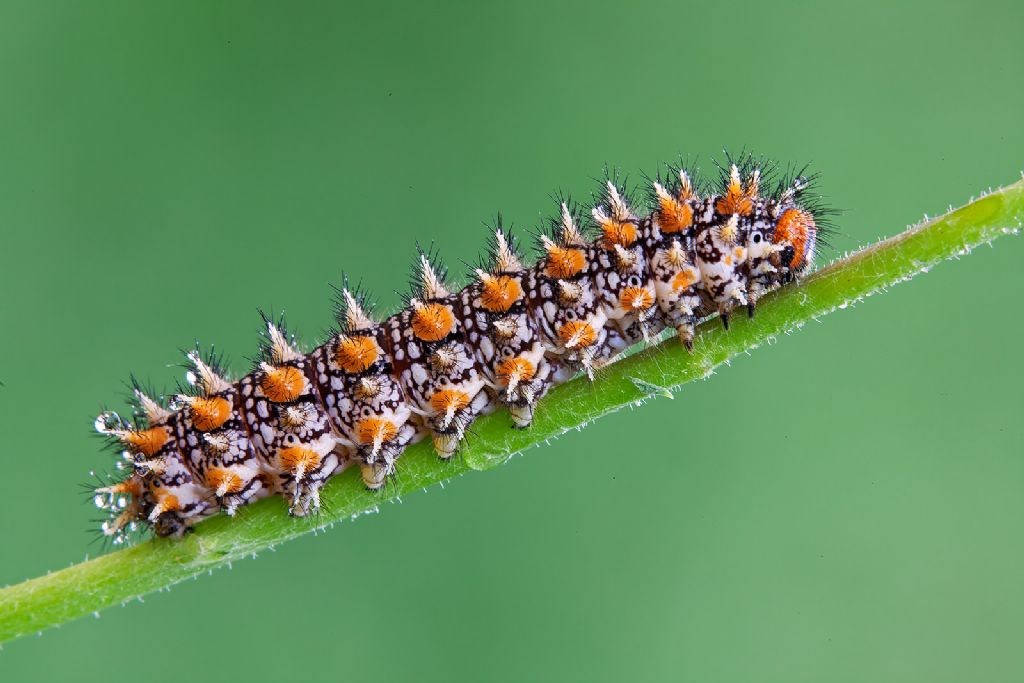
(429, 370)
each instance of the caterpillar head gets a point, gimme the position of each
(795, 238)
(795, 230)
(170, 524)
(781, 240)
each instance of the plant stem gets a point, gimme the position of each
(88, 587)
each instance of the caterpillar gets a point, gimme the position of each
(605, 280)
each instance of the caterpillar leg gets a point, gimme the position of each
(377, 455)
(376, 474)
(454, 412)
(304, 471)
(522, 404)
(235, 486)
(178, 509)
(522, 381)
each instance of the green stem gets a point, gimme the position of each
(39, 603)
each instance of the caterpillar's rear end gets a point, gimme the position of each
(601, 284)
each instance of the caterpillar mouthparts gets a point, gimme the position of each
(429, 370)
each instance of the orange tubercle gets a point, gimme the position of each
(577, 334)
(356, 354)
(283, 383)
(297, 458)
(674, 216)
(623, 234)
(796, 227)
(372, 429)
(518, 367)
(564, 262)
(432, 322)
(168, 502)
(499, 293)
(132, 486)
(449, 399)
(147, 441)
(737, 200)
(730, 204)
(209, 413)
(635, 298)
(683, 279)
(223, 479)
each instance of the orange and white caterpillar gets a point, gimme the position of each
(375, 386)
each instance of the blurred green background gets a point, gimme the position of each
(167, 168)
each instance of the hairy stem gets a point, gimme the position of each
(88, 587)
